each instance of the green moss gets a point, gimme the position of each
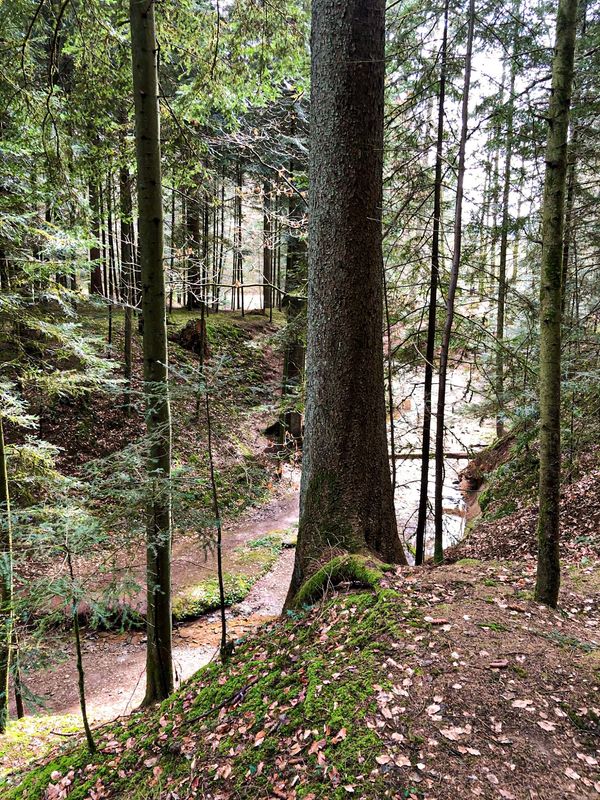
(518, 670)
(511, 483)
(33, 737)
(492, 626)
(569, 642)
(354, 569)
(248, 563)
(204, 597)
(288, 681)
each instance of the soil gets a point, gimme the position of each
(514, 535)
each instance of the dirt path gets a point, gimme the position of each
(114, 663)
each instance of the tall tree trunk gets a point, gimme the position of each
(501, 297)
(193, 247)
(445, 346)
(237, 247)
(279, 298)
(295, 351)
(96, 266)
(568, 230)
(346, 500)
(267, 250)
(159, 664)
(553, 213)
(205, 245)
(515, 249)
(432, 311)
(172, 246)
(79, 657)
(221, 246)
(6, 584)
(495, 188)
(127, 267)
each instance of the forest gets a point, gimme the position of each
(299, 399)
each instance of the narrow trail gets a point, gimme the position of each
(115, 663)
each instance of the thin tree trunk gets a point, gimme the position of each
(295, 351)
(267, 251)
(495, 198)
(79, 659)
(432, 311)
(553, 213)
(172, 247)
(105, 267)
(224, 649)
(16, 669)
(6, 584)
(193, 247)
(238, 234)
(96, 268)
(221, 247)
(501, 297)
(445, 346)
(389, 380)
(346, 500)
(127, 267)
(568, 217)
(515, 250)
(159, 663)
(205, 247)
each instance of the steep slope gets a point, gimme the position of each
(443, 683)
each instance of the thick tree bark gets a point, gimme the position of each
(346, 501)
(159, 667)
(553, 219)
(6, 585)
(432, 311)
(445, 345)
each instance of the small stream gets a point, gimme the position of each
(464, 433)
(195, 643)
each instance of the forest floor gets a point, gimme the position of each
(437, 683)
(258, 496)
(442, 683)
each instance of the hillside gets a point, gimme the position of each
(442, 683)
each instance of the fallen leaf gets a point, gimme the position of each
(546, 726)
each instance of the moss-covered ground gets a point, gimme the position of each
(438, 683)
(245, 565)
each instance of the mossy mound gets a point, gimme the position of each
(356, 570)
(292, 707)
(249, 563)
(204, 597)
